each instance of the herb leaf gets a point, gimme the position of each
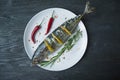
(68, 46)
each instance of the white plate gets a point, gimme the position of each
(68, 59)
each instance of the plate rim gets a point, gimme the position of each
(25, 30)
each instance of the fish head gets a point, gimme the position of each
(37, 59)
(39, 54)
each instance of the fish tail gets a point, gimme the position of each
(88, 8)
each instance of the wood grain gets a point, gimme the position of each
(101, 60)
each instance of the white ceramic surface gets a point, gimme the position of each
(68, 59)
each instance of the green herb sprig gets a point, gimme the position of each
(68, 46)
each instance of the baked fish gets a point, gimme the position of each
(58, 37)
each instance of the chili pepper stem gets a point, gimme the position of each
(42, 21)
(53, 13)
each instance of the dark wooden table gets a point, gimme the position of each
(101, 60)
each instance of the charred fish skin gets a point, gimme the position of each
(42, 51)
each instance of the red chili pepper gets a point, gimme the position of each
(35, 31)
(50, 24)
